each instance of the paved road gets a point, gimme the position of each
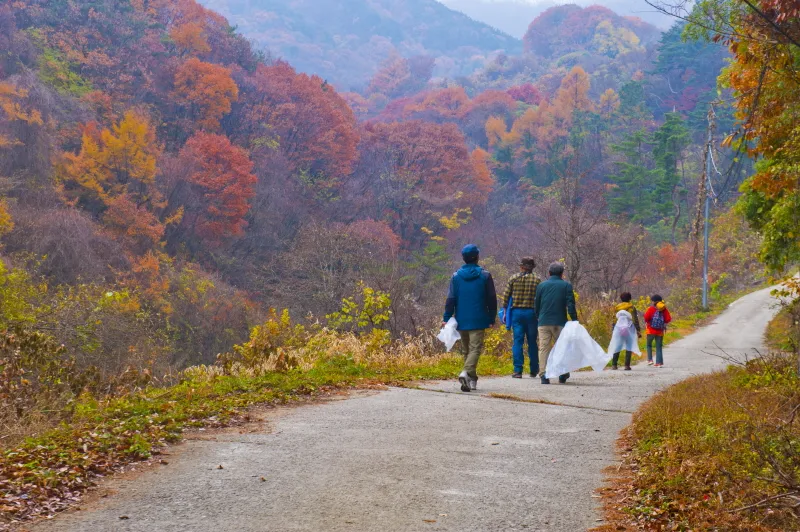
(416, 459)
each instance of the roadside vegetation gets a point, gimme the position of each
(720, 451)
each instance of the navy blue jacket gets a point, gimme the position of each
(554, 298)
(472, 298)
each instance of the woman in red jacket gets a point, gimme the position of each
(656, 317)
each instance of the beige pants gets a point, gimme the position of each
(471, 348)
(548, 334)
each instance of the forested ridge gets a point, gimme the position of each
(168, 189)
(151, 152)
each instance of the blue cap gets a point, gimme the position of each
(470, 253)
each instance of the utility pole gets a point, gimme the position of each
(709, 192)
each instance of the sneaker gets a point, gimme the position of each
(563, 378)
(615, 367)
(516, 376)
(658, 365)
(464, 380)
(627, 368)
(473, 384)
(649, 362)
(545, 380)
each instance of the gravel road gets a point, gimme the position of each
(429, 459)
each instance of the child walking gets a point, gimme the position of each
(628, 307)
(656, 317)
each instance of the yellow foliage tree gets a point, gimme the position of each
(573, 94)
(6, 223)
(12, 109)
(609, 103)
(112, 163)
(496, 131)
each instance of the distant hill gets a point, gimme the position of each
(345, 41)
(571, 29)
(514, 16)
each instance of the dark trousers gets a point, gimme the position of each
(659, 341)
(525, 326)
(615, 359)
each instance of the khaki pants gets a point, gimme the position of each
(548, 334)
(471, 349)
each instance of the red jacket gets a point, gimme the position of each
(648, 316)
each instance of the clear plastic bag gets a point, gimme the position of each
(623, 337)
(575, 349)
(449, 334)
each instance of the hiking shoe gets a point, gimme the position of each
(473, 384)
(614, 367)
(545, 380)
(627, 368)
(464, 380)
(516, 376)
(563, 378)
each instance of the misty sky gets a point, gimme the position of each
(514, 16)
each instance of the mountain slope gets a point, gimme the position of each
(345, 41)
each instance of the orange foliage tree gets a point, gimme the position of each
(190, 38)
(207, 90)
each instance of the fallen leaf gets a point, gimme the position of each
(429, 520)
(263, 479)
(220, 467)
(124, 517)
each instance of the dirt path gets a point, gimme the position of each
(417, 459)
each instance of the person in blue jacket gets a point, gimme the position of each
(473, 301)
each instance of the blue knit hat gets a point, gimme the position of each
(470, 253)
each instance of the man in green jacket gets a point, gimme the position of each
(554, 299)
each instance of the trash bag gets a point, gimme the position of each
(623, 337)
(449, 335)
(575, 349)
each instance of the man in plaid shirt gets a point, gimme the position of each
(518, 300)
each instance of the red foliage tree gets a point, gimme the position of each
(412, 173)
(220, 177)
(527, 93)
(305, 120)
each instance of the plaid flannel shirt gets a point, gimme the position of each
(522, 287)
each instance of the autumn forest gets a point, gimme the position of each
(174, 195)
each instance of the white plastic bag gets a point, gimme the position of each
(449, 335)
(575, 349)
(624, 338)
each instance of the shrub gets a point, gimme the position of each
(38, 380)
(268, 346)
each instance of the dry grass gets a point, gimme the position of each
(717, 452)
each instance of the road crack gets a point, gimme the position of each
(518, 399)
